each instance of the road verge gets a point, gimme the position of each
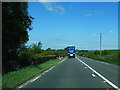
(15, 79)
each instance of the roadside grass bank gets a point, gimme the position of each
(108, 56)
(13, 79)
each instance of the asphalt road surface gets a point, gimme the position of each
(71, 73)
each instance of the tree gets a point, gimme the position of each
(48, 49)
(15, 25)
(40, 45)
(66, 49)
(36, 49)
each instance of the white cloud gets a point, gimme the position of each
(88, 14)
(111, 32)
(51, 6)
(46, 0)
(59, 9)
(94, 34)
(63, 0)
(48, 6)
(33, 42)
(59, 35)
(93, 13)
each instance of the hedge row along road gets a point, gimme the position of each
(14, 79)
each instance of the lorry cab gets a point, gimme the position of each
(71, 51)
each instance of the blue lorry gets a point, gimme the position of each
(71, 51)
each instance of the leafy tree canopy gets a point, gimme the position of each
(15, 25)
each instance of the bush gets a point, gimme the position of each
(25, 59)
(40, 59)
(104, 52)
(97, 52)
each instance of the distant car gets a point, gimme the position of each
(71, 51)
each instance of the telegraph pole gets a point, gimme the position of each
(100, 43)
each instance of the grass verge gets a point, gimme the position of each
(109, 56)
(13, 79)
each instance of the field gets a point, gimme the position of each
(109, 56)
(12, 79)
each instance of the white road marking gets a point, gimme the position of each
(104, 81)
(109, 82)
(85, 67)
(34, 79)
(93, 75)
(39, 75)
(62, 61)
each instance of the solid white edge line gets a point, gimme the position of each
(24, 84)
(110, 83)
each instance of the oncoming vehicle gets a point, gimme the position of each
(71, 51)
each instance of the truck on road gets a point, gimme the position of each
(71, 51)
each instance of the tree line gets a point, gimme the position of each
(16, 22)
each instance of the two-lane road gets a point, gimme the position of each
(71, 73)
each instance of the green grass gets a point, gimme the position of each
(0, 82)
(15, 78)
(109, 56)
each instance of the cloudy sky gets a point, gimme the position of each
(59, 24)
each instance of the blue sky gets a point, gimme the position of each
(59, 24)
